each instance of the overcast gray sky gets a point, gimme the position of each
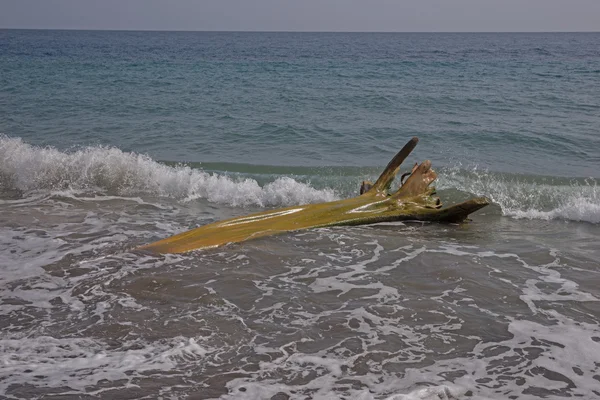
(305, 15)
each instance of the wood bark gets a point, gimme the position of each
(414, 200)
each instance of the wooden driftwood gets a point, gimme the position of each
(414, 200)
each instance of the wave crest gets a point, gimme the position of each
(530, 197)
(109, 170)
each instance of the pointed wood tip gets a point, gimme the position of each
(390, 171)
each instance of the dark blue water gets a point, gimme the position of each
(109, 140)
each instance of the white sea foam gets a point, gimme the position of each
(382, 350)
(78, 363)
(575, 209)
(552, 355)
(243, 389)
(443, 392)
(110, 171)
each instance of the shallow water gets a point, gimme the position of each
(498, 308)
(503, 307)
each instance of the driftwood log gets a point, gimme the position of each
(414, 200)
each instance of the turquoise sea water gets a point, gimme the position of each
(523, 103)
(109, 140)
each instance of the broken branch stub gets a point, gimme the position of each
(414, 200)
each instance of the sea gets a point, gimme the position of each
(114, 139)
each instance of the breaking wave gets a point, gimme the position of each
(108, 170)
(530, 197)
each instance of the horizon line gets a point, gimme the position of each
(267, 31)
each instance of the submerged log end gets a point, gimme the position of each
(459, 212)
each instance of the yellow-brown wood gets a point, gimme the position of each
(414, 200)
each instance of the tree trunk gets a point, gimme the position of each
(414, 200)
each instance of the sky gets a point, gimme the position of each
(305, 15)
